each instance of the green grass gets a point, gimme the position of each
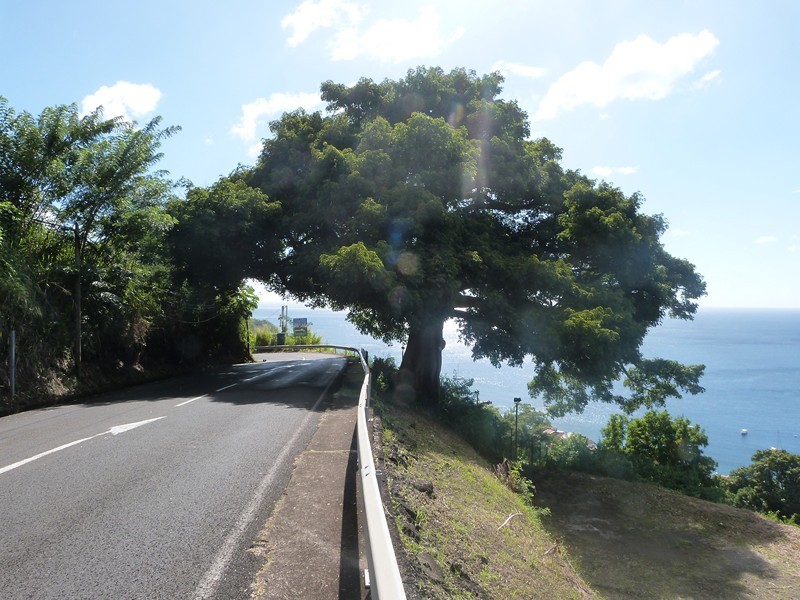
(450, 507)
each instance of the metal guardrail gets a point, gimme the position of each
(383, 577)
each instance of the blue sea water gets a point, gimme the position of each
(752, 376)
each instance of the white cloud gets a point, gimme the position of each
(123, 99)
(310, 16)
(601, 171)
(708, 79)
(394, 40)
(508, 68)
(385, 40)
(253, 112)
(766, 239)
(636, 69)
(608, 171)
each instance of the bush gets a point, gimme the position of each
(264, 333)
(383, 371)
(571, 453)
(659, 449)
(769, 485)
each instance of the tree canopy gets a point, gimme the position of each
(420, 200)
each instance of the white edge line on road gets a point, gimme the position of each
(116, 430)
(208, 584)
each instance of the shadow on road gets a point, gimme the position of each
(288, 379)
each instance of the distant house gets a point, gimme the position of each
(591, 444)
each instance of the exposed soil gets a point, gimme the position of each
(640, 541)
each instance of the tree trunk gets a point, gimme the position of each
(422, 363)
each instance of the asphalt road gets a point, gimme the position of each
(156, 491)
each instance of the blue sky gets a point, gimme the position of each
(695, 104)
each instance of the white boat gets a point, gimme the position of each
(744, 431)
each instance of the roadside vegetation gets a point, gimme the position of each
(465, 532)
(654, 448)
(97, 286)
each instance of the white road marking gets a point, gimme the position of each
(38, 456)
(192, 400)
(117, 429)
(222, 389)
(208, 585)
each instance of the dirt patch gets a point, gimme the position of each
(640, 541)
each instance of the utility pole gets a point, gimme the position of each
(284, 320)
(516, 424)
(284, 323)
(12, 363)
(77, 294)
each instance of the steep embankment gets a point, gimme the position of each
(466, 535)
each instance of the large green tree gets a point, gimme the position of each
(416, 201)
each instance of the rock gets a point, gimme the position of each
(426, 487)
(430, 567)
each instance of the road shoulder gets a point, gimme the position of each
(310, 544)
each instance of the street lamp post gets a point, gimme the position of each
(516, 425)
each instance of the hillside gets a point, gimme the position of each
(468, 536)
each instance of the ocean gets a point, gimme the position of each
(752, 377)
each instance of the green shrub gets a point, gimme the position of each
(770, 484)
(657, 448)
(571, 453)
(383, 371)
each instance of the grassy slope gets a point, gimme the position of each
(450, 511)
(604, 537)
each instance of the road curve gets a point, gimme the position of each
(156, 491)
